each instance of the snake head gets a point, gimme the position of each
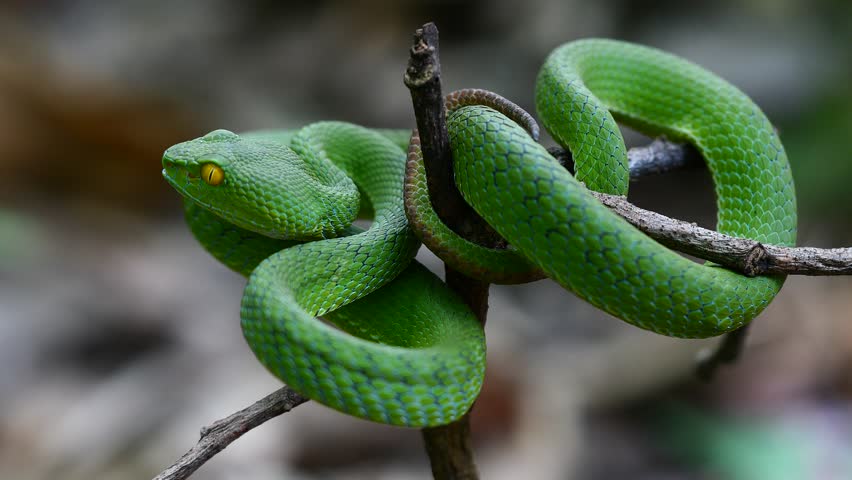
(256, 184)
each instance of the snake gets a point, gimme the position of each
(345, 316)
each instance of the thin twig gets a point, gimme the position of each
(728, 351)
(220, 434)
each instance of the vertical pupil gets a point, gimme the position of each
(211, 174)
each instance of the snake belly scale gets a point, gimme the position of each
(277, 206)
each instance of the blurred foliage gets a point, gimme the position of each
(753, 446)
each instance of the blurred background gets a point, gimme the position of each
(119, 335)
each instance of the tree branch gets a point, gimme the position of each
(220, 434)
(740, 254)
(423, 79)
(728, 351)
(448, 446)
(659, 156)
(747, 256)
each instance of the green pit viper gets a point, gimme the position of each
(393, 344)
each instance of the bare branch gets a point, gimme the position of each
(450, 452)
(746, 256)
(220, 434)
(662, 156)
(423, 79)
(728, 351)
(659, 156)
(448, 446)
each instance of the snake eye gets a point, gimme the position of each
(212, 174)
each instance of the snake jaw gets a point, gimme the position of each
(184, 176)
(178, 173)
(172, 174)
(183, 163)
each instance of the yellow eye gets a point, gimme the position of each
(212, 174)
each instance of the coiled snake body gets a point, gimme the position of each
(278, 207)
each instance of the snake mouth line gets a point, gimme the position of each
(168, 175)
(184, 181)
(177, 173)
(172, 174)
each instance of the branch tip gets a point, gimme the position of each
(221, 433)
(447, 446)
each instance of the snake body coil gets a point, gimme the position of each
(278, 206)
